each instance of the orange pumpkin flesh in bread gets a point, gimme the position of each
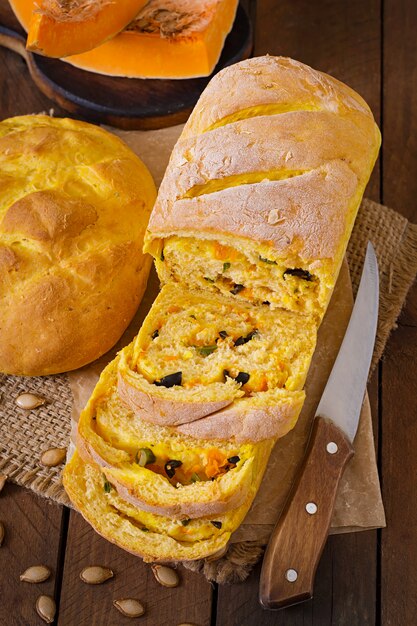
(167, 39)
(59, 28)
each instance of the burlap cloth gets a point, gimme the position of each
(24, 435)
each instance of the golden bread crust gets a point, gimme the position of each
(267, 80)
(275, 117)
(157, 410)
(73, 212)
(85, 488)
(247, 422)
(182, 510)
(292, 213)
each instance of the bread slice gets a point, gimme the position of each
(263, 187)
(195, 355)
(152, 537)
(214, 475)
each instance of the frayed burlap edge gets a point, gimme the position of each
(234, 567)
(400, 277)
(41, 485)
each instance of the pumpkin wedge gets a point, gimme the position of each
(59, 28)
(166, 39)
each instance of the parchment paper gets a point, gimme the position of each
(358, 504)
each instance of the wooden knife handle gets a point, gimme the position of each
(296, 543)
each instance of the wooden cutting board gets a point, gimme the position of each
(127, 103)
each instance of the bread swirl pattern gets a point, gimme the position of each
(222, 350)
(214, 475)
(252, 218)
(152, 537)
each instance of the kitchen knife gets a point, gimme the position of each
(296, 543)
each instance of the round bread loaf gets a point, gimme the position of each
(74, 205)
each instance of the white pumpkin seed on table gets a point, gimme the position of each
(96, 574)
(53, 457)
(35, 574)
(29, 401)
(166, 576)
(129, 607)
(46, 608)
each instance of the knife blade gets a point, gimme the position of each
(297, 542)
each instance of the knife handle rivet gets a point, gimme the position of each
(332, 447)
(311, 508)
(291, 575)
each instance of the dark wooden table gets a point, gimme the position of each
(363, 578)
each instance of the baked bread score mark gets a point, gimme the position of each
(273, 85)
(278, 183)
(207, 353)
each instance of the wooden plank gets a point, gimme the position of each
(400, 123)
(348, 606)
(33, 525)
(399, 445)
(340, 38)
(399, 387)
(91, 605)
(344, 40)
(33, 528)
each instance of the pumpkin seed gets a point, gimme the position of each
(242, 378)
(144, 456)
(216, 524)
(129, 607)
(240, 341)
(166, 576)
(53, 456)
(206, 350)
(171, 466)
(261, 258)
(29, 401)
(2, 533)
(237, 289)
(187, 624)
(170, 380)
(299, 273)
(35, 574)
(3, 479)
(96, 574)
(46, 608)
